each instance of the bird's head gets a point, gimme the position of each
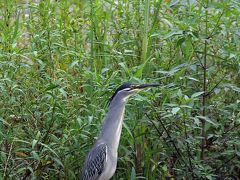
(128, 89)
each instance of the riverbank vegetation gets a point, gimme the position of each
(60, 61)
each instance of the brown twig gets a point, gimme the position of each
(204, 97)
(225, 163)
(168, 135)
(188, 149)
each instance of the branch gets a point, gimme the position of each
(225, 162)
(216, 85)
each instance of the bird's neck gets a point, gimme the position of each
(112, 127)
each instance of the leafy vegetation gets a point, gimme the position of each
(60, 61)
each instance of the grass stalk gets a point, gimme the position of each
(92, 34)
(145, 31)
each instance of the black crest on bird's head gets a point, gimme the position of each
(124, 86)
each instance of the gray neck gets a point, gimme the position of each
(112, 127)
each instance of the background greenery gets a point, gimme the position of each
(60, 61)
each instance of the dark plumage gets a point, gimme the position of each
(124, 86)
(96, 162)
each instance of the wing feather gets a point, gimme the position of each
(95, 162)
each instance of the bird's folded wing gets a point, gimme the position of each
(95, 162)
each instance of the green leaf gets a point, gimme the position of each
(51, 87)
(74, 63)
(175, 110)
(197, 94)
(34, 142)
(207, 119)
(124, 66)
(138, 73)
(128, 129)
(63, 92)
(38, 135)
(35, 155)
(79, 121)
(173, 33)
(4, 122)
(58, 161)
(233, 87)
(180, 41)
(196, 121)
(50, 149)
(209, 177)
(133, 174)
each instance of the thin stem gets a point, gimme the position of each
(49, 44)
(145, 31)
(6, 165)
(168, 135)
(92, 33)
(225, 163)
(216, 85)
(188, 148)
(204, 98)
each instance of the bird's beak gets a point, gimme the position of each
(143, 86)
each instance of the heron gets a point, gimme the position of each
(101, 162)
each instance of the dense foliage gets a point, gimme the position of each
(60, 61)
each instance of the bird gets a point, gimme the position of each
(101, 161)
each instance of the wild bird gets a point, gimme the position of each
(101, 161)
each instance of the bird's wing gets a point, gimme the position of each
(95, 162)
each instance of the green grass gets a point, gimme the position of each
(60, 63)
